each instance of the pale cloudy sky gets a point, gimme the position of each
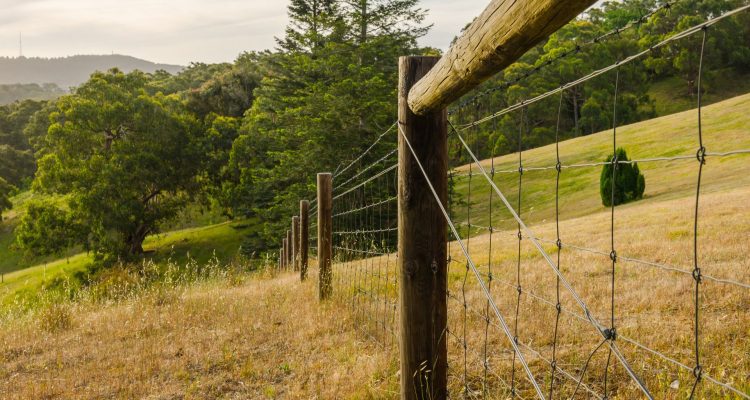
(174, 31)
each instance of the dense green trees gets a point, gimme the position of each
(588, 107)
(331, 86)
(125, 159)
(17, 164)
(726, 44)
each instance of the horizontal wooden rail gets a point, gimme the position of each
(497, 38)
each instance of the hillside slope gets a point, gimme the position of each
(725, 128)
(71, 71)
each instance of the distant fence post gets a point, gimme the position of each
(422, 241)
(283, 253)
(325, 233)
(295, 243)
(304, 237)
(288, 249)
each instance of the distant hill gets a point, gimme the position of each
(71, 71)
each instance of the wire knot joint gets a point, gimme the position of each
(698, 372)
(701, 155)
(697, 275)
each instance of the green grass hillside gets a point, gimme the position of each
(222, 241)
(724, 129)
(670, 95)
(195, 216)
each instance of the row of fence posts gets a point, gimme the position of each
(422, 240)
(295, 248)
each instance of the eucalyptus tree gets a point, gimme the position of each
(124, 160)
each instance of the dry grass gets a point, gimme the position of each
(269, 338)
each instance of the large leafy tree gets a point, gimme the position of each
(125, 159)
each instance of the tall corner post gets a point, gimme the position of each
(325, 234)
(422, 241)
(304, 237)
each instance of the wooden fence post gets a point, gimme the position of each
(295, 243)
(304, 237)
(282, 255)
(288, 249)
(325, 234)
(422, 241)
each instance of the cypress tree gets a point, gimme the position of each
(629, 183)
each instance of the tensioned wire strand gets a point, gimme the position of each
(686, 157)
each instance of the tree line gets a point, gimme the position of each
(124, 153)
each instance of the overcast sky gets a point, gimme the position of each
(174, 31)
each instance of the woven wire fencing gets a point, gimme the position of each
(547, 299)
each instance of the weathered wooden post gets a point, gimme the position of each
(325, 234)
(295, 243)
(422, 240)
(282, 255)
(289, 249)
(304, 237)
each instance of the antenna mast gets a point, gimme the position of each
(20, 45)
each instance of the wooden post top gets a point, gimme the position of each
(498, 37)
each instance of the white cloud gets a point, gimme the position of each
(174, 31)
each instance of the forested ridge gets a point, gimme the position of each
(67, 72)
(124, 153)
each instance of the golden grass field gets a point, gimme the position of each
(266, 338)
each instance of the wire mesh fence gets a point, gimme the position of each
(550, 294)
